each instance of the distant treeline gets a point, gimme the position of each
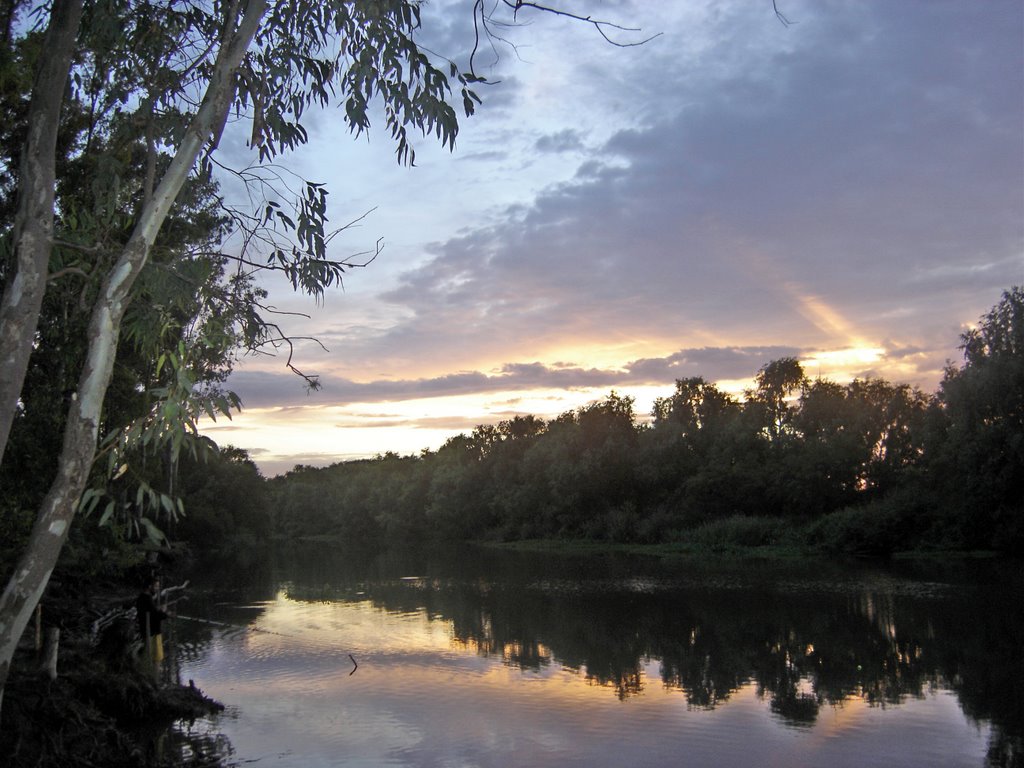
(868, 466)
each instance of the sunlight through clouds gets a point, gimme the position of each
(845, 190)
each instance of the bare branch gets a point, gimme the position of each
(76, 246)
(600, 26)
(66, 271)
(283, 340)
(780, 16)
(484, 22)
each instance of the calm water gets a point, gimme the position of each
(484, 658)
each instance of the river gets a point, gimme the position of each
(484, 657)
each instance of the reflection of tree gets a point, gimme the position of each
(803, 648)
(795, 707)
(985, 666)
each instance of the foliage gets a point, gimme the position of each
(136, 84)
(980, 455)
(222, 498)
(900, 521)
(114, 112)
(738, 531)
(869, 467)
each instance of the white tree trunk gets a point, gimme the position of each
(33, 222)
(57, 511)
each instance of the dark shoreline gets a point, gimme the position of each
(104, 708)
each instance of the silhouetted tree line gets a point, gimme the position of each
(868, 466)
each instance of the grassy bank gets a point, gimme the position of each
(843, 534)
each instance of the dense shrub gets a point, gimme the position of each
(899, 521)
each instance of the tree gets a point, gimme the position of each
(776, 382)
(981, 460)
(689, 425)
(172, 72)
(23, 291)
(226, 499)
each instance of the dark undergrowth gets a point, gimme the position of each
(106, 707)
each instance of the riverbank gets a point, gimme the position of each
(105, 707)
(89, 716)
(723, 550)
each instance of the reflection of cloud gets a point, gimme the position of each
(424, 695)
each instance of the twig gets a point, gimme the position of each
(780, 16)
(66, 271)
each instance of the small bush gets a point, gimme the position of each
(739, 531)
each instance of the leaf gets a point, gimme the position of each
(107, 513)
(152, 531)
(89, 501)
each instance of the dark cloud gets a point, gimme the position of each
(874, 163)
(567, 140)
(270, 467)
(710, 363)
(283, 391)
(448, 423)
(737, 190)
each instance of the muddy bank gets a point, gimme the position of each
(106, 706)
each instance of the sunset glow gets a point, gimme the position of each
(619, 218)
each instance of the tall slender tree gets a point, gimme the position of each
(172, 72)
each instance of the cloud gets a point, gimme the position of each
(844, 189)
(710, 363)
(567, 140)
(788, 193)
(260, 389)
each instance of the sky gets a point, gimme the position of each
(847, 189)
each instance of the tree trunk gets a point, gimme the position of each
(58, 509)
(48, 663)
(33, 222)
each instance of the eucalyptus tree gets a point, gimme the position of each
(174, 73)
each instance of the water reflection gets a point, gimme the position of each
(811, 641)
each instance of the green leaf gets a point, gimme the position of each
(152, 531)
(89, 501)
(107, 513)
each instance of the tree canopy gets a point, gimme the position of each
(866, 467)
(114, 279)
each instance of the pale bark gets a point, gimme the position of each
(48, 662)
(33, 222)
(57, 511)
